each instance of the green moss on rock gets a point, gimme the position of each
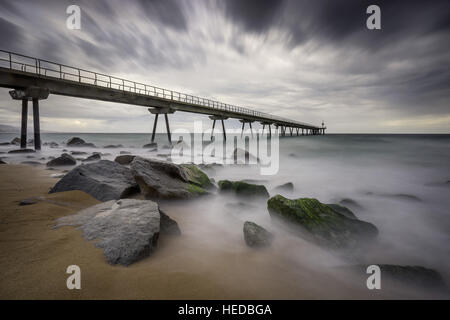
(324, 223)
(197, 176)
(242, 188)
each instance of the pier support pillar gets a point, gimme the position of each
(243, 125)
(30, 94)
(37, 129)
(214, 119)
(224, 132)
(165, 112)
(23, 130)
(154, 127)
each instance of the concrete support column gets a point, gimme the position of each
(154, 127)
(169, 136)
(37, 129)
(212, 131)
(224, 132)
(165, 112)
(23, 130)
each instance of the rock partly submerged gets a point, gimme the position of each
(324, 223)
(78, 142)
(63, 160)
(256, 236)
(244, 189)
(164, 180)
(127, 230)
(413, 276)
(93, 157)
(22, 151)
(104, 180)
(289, 186)
(124, 159)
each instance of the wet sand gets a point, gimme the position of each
(34, 257)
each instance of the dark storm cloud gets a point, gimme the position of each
(11, 35)
(254, 15)
(339, 20)
(166, 12)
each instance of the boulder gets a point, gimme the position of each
(2, 162)
(104, 180)
(78, 153)
(124, 159)
(64, 160)
(342, 210)
(5, 144)
(124, 152)
(51, 144)
(289, 186)
(415, 276)
(164, 180)
(15, 141)
(113, 146)
(152, 145)
(22, 151)
(127, 230)
(256, 236)
(323, 224)
(350, 203)
(168, 226)
(94, 157)
(78, 142)
(244, 189)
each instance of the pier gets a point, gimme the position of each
(33, 79)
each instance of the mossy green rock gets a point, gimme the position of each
(197, 176)
(326, 225)
(164, 180)
(242, 188)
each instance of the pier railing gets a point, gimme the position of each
(40, 67)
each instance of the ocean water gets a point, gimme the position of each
(400, 183)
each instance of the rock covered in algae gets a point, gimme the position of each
(324, 223)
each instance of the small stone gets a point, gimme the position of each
(256, 236)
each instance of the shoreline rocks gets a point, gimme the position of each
(64, 160)
(124, 159)
(127, 230)
(78, 142)
(22, 151)
(256, 236)
(324, 224)
(164, 180)
(94, 157)
(244, 189)
(104, 180)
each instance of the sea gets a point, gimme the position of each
(399, 183)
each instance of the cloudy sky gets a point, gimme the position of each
(305, 60)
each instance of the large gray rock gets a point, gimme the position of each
(15, 141)
(127, 230)
(124, 159)
(64, 160)
(256, 236)
(78, 142)
(94, 157)
(243, 189)
(164, 180)
(104, 180)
